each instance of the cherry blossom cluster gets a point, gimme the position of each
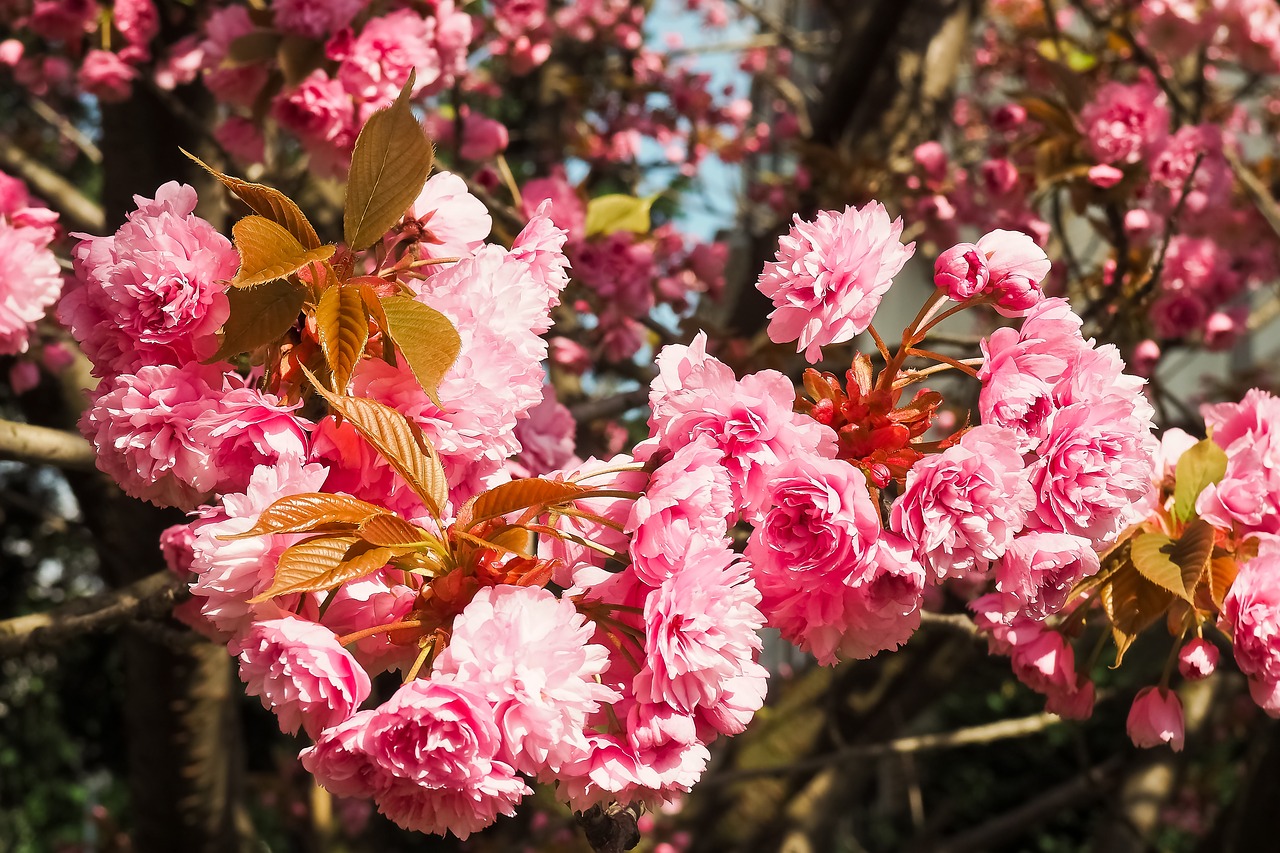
(32, 279)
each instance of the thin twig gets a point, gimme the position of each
(951, 621)
(152, 596)
(69, 131)
(78, 211)
(37, 445)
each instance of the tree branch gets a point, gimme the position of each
(152, 596)
(37, 445)
(608, 407)
(77, 210)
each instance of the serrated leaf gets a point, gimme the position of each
(343, 326)
(259, 316)
(516, 495)
(1202, 465)
(398, 441)
(1049, 114)
(390, 530)
(269, 202)
(1152, 555)
(1133, 604)
(303, 513)
(608, 214)
(325, 562)
(389, 165)
(268, 251)
(429, 342)
(1222, 573)
(516, 539)
(1192, 553)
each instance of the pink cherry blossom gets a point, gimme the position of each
(314, 18)
(302, 674)
(1251, 615)
(106, 76)
(830, 275)
(1123, 123)
(378, 61)
(1155, 719)
(378, 599)
(450, 221)
(546, 438)
(1197, 659)
(1039, 569)
(961, 508)
(30, 282)
(961, 271)
(1016, 266)
(320, 113)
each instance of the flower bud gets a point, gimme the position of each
(1221, 331)
(961, 271)
(1016, 267)
(1145, 357)
(1156, 718)
(1197, 659)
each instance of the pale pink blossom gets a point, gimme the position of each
(447, 219)
(1039, 570)
(439, 745)
(377, 63)
(546, 437)
(302, 674)
(529, 654)
(155, 291)
(830, 275)
(378, 599)
(1251, 616)
(1041, 657)
(106, 76)
(314, 18)
(341, 765)
(541, 243)
(1124, 123)
(961, 508)
(1016, 266)
(30, 282)
(1197, 659)
(1156, 718)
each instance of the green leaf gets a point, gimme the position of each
(1202, 465)
(426, 338)
(398, 441)
(608, 214)
(306, 512)
(269, 202)
(268, 251)
(389, 165)
(344, 329)
(259, 316)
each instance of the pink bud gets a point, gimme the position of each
(999, 176)
(1008, 117)
(24, 376)
(1220, 331)
(1197, 659)
(1156, 718)
(1105, 176)
(880, 474)
(961, 271)
(932, 160)
(10, 52)
(1145, 356)
(1016, 266)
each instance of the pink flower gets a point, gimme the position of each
(244, 428)
(1155, 719)
(242, 138)
(830, 275)
(1105, 176)
(30, 282)
(319, 112)
(155, 291)
(232, 83)
(1041, 657)
(229, 572)
(106, 76)
(314, 18)
(1016, 266)
(751, 421)
(567, 209)
(688, 497)
(63, 20)
(482, 138)
(620, 268)
(377, 599)
(302, 674)
(529, 654)
(1039, 569)
(439, 745)
(450, 221)
(1251, 614)
(136, 20)
(1094, 465)
(546, 438)
(339, 763)
(1197, 659)
(378, 62)
(700, 639)
(961, 271)
(961, 508)
(1124, 123)
(541, 243)
(931, 157)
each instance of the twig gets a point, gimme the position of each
(973, 735)
(1256, 189)
(37, 445)
(952, 621)
(69, 131)
(78, 211)
(152, 596)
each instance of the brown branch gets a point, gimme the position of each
(608, 407)
(37, 445)
(951, 621)
(1256, 189)
(152, 596)
(78, 211)
(973, 735)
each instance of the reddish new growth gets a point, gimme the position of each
(874, 433)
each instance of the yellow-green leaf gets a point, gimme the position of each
(268, 251)
(259, 316)
(1202, 465)
(304, 513)
(269, 202)
(397, 440)
(389, 165)
(1133, 604)
(517, 495)
(344, 330)
(608, 214)
(390, 530)
(426, 338)
(1152, 555)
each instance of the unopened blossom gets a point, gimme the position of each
(302, 674)
(529, 654)
(961, 508)
(30, 281)
(1197, 659)
(1155, 719)
(439, 743)
(1015, 267)
(1251, 615)
(961, 271)
(830, 275)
